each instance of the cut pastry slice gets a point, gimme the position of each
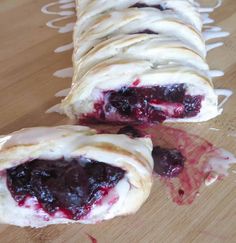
(67, 174)
(135, 92)
(139, 62)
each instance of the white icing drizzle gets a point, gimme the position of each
(64, 48)
(61, 29)
(67, 4)
(64, 73)
(223, 92)
(206, 10)
(215, 73)
(56, 109)
(67, 28)
(206, 19)
(213, 28)
(66, 1)
(214, 129)
(208, 35)
(63, 93)
(61, 13)
(212, 46)
(218, 4)
(45, 8)
(221, 163)
(210, 9)
(51, 24)
(211, 178)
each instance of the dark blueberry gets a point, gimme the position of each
(130, 131)
(156, 116)
(71, 186)
(167, 162)
(123, 100)
(147, 104)
(150, 93)
(175, 93)
(192, 105)
(147, 31)
(143, 5)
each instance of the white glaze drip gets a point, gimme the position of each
(64, 48)
(223, 92)
(64, 73)
(213, 28)
(61, 13)
(67, 28)
(65, 1)
(50, 23)
(212, 46)
(221, 162)
(211, 178)
(215, 73)
(63, 93)
(210, 9)
(218, 4)
(208, 35)
(67, 4)
(206, 19)
(206, 10)
(214, 129)
(56, 109)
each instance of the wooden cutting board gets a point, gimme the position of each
(27, 88)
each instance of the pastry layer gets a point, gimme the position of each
(85, 95)
(131, 155)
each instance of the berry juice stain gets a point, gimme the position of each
(167, 162)
(93, 240)
(183, 161)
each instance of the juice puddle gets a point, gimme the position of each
(204, 162)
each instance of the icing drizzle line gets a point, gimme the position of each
(65, 14)
(223, 92)
(64, 73)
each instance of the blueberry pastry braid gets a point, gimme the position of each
(67, 174)
(140, 62)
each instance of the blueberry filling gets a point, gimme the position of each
(143, 5)
(192, 104)
(167, 162)
(72, 187)
(146, 104)
(146, 31)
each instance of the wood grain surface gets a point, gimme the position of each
(27, 88)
